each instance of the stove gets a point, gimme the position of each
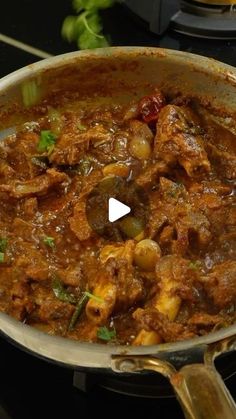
(30, 387)
(201, 18)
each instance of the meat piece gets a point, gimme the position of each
(23, 229)
(54, 310)
(224, 161)
(175, 268)
(71, 146)
(20, 289)
(33, 262)
(169, 331)
(129, 287)
(30, 207)
(118, 259)
(38, 272)
(220, 285)
(79, 224)
(40, 185)
(205, 319)
(21, 150)
(167, 236)
(193, 226)
(178, 140)
(6, 170)
(71, 276)
(171, 207)
(151, 174)
(21, 303)
(157, 220)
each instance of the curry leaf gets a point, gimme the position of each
(2, 257)
(78, 310)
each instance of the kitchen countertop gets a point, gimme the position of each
(31, 388)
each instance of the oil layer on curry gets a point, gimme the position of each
(174, 280)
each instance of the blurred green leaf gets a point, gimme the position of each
(86, 28)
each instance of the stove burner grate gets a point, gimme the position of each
(205, 20)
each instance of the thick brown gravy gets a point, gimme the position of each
(175, 279)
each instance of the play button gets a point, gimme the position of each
(117, 210)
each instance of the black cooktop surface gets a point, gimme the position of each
(31, 388)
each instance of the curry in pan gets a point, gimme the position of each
(173, 279)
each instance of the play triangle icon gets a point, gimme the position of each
(117, 210)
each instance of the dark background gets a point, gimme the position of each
(31, 388)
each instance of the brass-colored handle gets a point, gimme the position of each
(202, 393)
(199, 388)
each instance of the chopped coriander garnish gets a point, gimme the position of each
(93, 297)
(3, 244)
(61, 293)
(49, 241)
(195, 265)
(2, 255)
(81, 127)
(104, 333)
(78, 310)
(47, 141)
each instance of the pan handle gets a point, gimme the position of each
(202, 393)
(199, 388)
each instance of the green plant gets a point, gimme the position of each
(86, 27)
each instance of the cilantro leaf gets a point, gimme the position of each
(78, 5)
(104, 333)
(49, 241)
(195, 265)
(104, 4)
(47, 141)
(69, 28)
(3, 244)
(88, 41)
(86, 28)
(2, 255)
(93, 297)
(81, 127)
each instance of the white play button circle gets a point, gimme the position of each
(117, 210)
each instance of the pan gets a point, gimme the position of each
(128, 73)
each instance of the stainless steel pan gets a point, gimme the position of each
(123, 74)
